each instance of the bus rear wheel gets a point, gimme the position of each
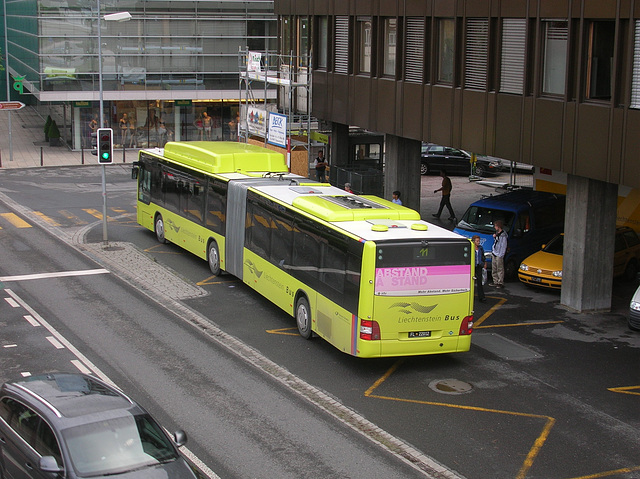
(213, 256)
(303, 317)
(160, 229)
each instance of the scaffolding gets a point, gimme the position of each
(285, 94)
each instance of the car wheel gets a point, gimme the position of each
(480, 171)
(160, 229)
(213, 256)
(424, 169)
(631, 271)
(303, 317)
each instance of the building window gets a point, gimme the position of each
(414, 49)
(364, 45)
(476, 51)
(390, 37)
(303, 41)
(446, 44)
(635, 79)
(341, 57)
(323, 42)
(556, 34)
(600, 60)
(514, 36)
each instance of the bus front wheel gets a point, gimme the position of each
(160, 229)
(214, 258)
(303, 317)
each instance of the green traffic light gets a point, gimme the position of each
(105, 156)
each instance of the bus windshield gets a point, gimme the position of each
(425, 268)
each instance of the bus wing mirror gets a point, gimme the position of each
(134, 170)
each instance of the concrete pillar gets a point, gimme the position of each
(589, 236)
(402, 170)
(339, 144)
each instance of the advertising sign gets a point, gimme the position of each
(277, 130)
(257, 121)
(415, 281)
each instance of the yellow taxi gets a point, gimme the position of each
(544, 268)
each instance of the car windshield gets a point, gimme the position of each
(481, 219)
(114, 446)
(555, 245)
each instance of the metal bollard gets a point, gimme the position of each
(82, 156)
(41, 156)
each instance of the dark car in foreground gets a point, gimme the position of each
(456, 162)
(73, 425)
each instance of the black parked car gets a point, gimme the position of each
(74, 425)
(455, 162)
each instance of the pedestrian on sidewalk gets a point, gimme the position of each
(498, 251)
(395, 198)
(446, 196)
(481, 267)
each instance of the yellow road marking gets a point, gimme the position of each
(624, 470)
(516, 324)
(625, 390)
(208, 281)
(93, 212)
(494, 308)
(15, 220)
(533, 452)
(282, 331)
(148, 250)
(45, 218)
(70, 216)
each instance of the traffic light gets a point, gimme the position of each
(105, 145)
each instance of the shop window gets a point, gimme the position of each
(446, 44)
(600, 60)
(556, 34)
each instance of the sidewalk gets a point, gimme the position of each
(28, 149)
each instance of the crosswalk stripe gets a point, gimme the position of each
(45, 218)
(93, 212)
(15, 220)
(70, 216)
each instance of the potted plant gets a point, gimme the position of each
(47, 125)
(54, 134)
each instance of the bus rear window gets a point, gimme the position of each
(416, 269)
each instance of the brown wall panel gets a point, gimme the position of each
(547, 133)
(410, 110)
(615, 145)
(361, 107)
(591, 140)
(473, 120)
(508, 128)
(599, 9)
(456, 119)
(444, 8)
(417, 8)
(513, 9)
(320, 104)
(440, 117)
(426, 112)
(364, 7)
(302, 7)
(339, 101)
(569, 146)
(552, 9)
(477, 8)
(490, 126)
(631, 160)
(527, 128)
(385, 103)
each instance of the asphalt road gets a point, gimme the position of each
(544, 393)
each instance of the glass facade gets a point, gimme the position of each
(171, 63)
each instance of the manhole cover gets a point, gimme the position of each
(450, 386)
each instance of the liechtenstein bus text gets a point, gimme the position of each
(363, 273)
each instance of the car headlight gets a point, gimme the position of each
(557, 274)
(524, 267)
(635, 306)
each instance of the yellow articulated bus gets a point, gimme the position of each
(363, 273)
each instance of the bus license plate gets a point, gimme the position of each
(419, 334)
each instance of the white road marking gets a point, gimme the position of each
(55, 342)
(87, 367)
(32, 320)
(60, 274)
(12, 302)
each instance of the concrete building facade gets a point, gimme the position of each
(553, 83)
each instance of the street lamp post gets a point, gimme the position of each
(118, 17)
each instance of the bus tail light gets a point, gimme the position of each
(466, 327)
(369, 330)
